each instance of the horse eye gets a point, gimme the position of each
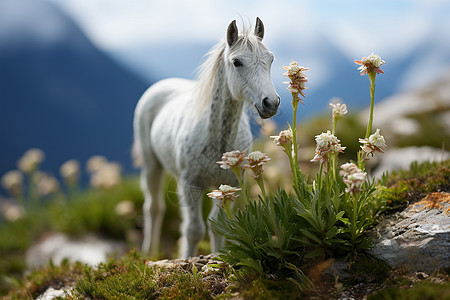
(237, 63)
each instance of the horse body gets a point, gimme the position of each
(184, 126)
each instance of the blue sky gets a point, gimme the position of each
(389, 28)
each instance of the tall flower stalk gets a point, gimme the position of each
(369, 65)
(296, 86)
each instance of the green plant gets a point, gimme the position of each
(276, 235)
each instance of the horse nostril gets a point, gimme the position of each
(278, 101)
(265, 102)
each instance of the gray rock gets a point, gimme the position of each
(417, 238)
(89, 249)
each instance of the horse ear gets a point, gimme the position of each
(232, 33)
(259, 28)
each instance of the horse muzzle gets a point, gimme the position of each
(268, 107)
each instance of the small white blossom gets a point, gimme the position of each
(107, 177)
(46, 184)
(326, 143)
(339, 110)
(353, 177)
(125, 208)
(283, 138)
(95, 163)
(31, 159)
(70, 171)
(224, 193)
(12, 181)
(369, 64)
(374, 143)
(232, 159)
(297, 77)
(256, 162)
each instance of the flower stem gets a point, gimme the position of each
(260, 183)
(294, 140)
(372, 101)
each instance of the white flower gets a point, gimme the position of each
(256, 162)
(373, 59)
(283, 138)
(70, 171)
(374, 143)
(353, 177)
(326, 142)
(12, 181)
(339, 110)
(349, 168)
(369, 64)
(225, 188)
(377, 140)
(107, 177)
(232, 159)
(12, 212)
(256, 155)
(297, 77)
(31, 160)
(46, 184)
(224, 193)
(125, 208)
(95, 163)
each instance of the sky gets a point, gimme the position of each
(358, 28)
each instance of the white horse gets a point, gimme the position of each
(184, 126)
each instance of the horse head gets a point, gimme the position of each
(247, 65)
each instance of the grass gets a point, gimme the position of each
(129, 276)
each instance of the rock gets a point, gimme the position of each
(417, 238)
(202, 263)
(401, 158)
(51, 294)
(89, 249)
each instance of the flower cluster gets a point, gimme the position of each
(232, 159)
(70, 171)
(374, 143)
(326, 143)
(12, 182)
(106, 176)
(225, 194)
(339, 110)
(256, 161)
(30, 161)
(46, 183)
(298, 79)
(353, 177)
(284, 138)
(370, 64)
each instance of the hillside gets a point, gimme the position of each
(58, 92)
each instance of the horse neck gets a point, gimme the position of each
(224, 113)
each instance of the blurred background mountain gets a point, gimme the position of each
(71, 71)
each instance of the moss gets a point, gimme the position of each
(408, 186)
(262, 288)
(40, 280)
(425, 290)
(131, 278)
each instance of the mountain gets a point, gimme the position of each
(338, 74)
(58, 92)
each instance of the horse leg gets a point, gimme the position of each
(217, 241)
(153, 209)
(192, 226)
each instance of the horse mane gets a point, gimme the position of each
(207, 71)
